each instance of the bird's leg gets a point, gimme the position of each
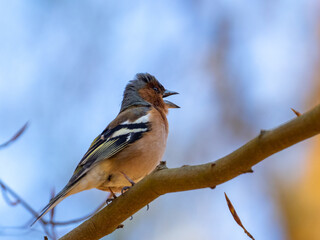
(112, 195)
(127, 187)
(129, 180)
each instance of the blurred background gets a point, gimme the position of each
(239, 67)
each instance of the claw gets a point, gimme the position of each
(109, 200)
(125, 189)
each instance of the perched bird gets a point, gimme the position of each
(130, 147)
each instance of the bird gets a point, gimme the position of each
(129, 148)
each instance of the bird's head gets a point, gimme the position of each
(145, 90)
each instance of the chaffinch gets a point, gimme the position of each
(130, 147)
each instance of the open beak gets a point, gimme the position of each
(170, 104)
(168, 93)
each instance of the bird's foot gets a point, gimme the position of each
(112, 196)
(124, 189)
(109, 200)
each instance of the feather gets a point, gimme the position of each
(113, 141)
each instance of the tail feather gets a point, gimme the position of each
(53, 202)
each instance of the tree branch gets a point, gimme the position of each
(163, 181)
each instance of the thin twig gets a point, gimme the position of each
(7, 198)
(24, 204)
(18, 200)
(57, 223)
(53, 230)
(15, 137)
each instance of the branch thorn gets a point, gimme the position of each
(248, 171)
(120, 226)
(296, 112)
(262, 132)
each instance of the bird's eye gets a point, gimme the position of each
(156, 89)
